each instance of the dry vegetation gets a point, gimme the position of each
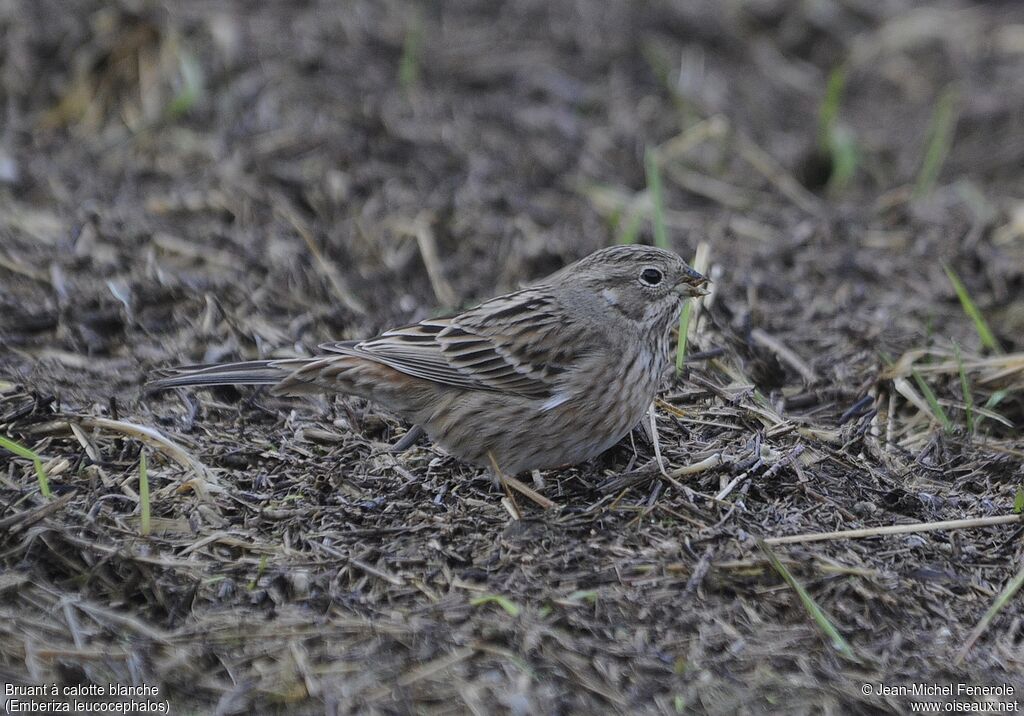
(202, 180)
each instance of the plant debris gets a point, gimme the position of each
(193, 182)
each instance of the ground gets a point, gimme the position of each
(199, 181)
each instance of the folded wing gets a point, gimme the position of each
(512, 344)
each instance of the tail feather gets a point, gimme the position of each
(255, 372)
(347, 373)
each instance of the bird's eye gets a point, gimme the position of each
(650, 277)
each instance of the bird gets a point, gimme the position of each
(547, 376)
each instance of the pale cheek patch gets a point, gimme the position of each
(610, 296)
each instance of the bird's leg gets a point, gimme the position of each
(538, 480)
(653, 434)
(650, 432)
(405, 442)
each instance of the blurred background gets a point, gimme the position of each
(214, 179)
(289, 162)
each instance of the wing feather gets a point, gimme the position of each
(515, 343)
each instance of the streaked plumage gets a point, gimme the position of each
(550, 375)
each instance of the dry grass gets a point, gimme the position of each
(202, 182)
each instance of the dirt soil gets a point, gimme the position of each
(219, 179)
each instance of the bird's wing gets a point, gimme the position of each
(518, 343)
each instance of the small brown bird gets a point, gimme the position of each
(547, 376)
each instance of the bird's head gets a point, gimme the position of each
(643, 283)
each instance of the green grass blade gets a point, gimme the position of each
(996, 398)
(988, 339)
(929, 395)
(504, 602)
(631, 228)
(409, 64)
(761, 399)
(18, 449)
(965, 389)
(684, 329)
(940, 139)
(839, 643)
(192, 82)
(260, 569)
(833, 139)
(44, 481)
(37, 462)
(144, 495)
(587, 595)
(662, 64)
(842, 149)
(1011, 588)
(654, 187)
(828, 115)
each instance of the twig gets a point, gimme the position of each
(328, 269)
(529, 492)
(510, 507)
(425, 671)
(709, 187)
(777, 175)
(428, 250)
(725, 491)
(152, 437)
(379, 573)
(708, 463)
(106, 617)
(362, 566)
(507, 481)
(17, 268)
(122, 552)
(431, 668)
(27, 517)
(897, 529)
(785, 353)
(713, 127)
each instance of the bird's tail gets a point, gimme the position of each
(253, 372)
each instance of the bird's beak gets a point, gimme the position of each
(692, 285)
